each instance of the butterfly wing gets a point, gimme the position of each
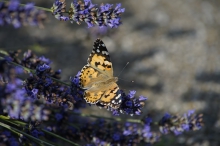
(93, 97)
(112, 96)
(100, 60)
(88, 77)
(99, 69)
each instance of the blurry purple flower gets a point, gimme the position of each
(118, 9)
(29, 6)
(58, 116)
(19, 70)
(14, 5)
(45, 60)
(190, 112)
(179, 124)
(43, 67)
(146, 132)
(142, 98)
(34, 91)
(131, 94)
(58, 71)
(105, 7)
(17, 15)
(58, 8)
(36, 133)
(13, 141)
(148, 121)
(116, 137)
(105, 15)
(12, 86)
(131, 105)
(115, 112)
(48, 82)
(75, 80)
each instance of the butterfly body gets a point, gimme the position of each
(97, 78)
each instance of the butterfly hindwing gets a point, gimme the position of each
(93, 97)
(112, 96)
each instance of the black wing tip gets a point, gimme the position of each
(98, 41)
(99, 45)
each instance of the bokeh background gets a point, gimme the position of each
(173, 48)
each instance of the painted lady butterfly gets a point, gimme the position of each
(97, 78)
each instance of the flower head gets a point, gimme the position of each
(17, 15)
(105, 15)
(59, 6)
(179, 124)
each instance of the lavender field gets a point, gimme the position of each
(173, 50)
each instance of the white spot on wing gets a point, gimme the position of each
(105, 52)
(98, 50)
(117, 97)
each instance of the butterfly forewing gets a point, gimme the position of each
(88, 76)
(100, 59)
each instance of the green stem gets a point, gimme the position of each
(12, 122)
(56, 80)
(109, 118)
(30, 70)
(25, 68)
(33, 71)
(20, 123)
(41, 142)
(48, 132)
(40, 8)
(3, 117)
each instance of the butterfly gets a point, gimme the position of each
(97, 78)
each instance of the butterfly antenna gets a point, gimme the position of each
(126, 80)
(123, 68)
(122, 71)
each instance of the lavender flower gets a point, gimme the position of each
(36, 133)
(130, 104)
(15, 102)
(17, 15)
(77, 92)
(8, 138)
(179, 124)
(105, 15)
(43, 82)
(58, 8)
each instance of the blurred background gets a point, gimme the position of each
(173, 48)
